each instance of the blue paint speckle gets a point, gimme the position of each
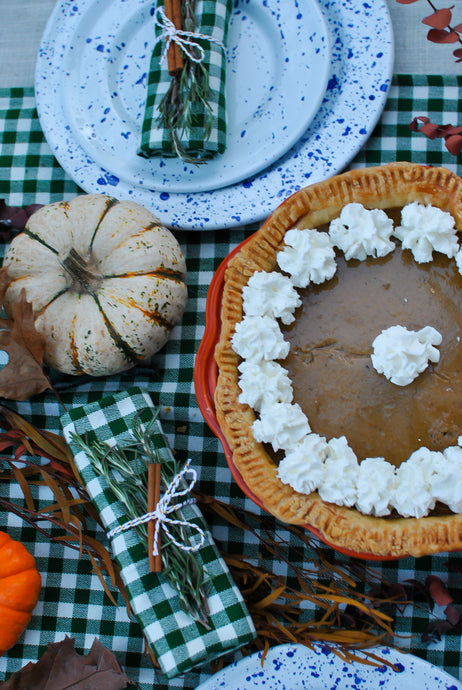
(108, 179)
(333, 83)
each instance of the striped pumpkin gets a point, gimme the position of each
(105, 279)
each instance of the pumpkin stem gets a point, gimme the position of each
(84, 279)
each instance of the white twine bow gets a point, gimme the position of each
(162, 511)
(185, 40)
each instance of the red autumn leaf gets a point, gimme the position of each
(452, 614)
(457, 28)
(442, 36)
(14, 217)
(458, 54)
(414, 125)
(62, 667)
(439, 19)
(406, 2)
(454, 144)
(431, 130)
(438, 591)
(450, 129)
(435, 629)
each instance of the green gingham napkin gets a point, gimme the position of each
(212, 21)
(178, 642)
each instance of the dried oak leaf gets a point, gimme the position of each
(62, 667)
(23, 375)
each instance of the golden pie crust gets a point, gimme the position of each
(389, 186)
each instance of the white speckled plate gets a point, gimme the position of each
(277, 68)
(293, 667)
(361, 63)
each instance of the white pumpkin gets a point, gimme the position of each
(105, 279)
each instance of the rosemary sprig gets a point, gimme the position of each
(187, 95)
(124, 467)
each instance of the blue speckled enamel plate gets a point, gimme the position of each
(293, 667)
(277, 71)
(92, 45)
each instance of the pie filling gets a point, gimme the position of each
(339, 410)
(329, 362)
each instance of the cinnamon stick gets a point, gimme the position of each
(174, 56)
(155, 562)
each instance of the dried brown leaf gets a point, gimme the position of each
(23, 375)
(61, 667)
(101, 578)
(45, 443)
(22, 481)
(58, 494)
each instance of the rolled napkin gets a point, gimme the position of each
(178, 642)
(204, 133)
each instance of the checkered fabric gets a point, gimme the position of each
(72, 600)
(178, 642)
(212, 21)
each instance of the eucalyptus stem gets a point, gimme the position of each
(124, 468)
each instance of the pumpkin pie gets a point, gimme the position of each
(329, 359)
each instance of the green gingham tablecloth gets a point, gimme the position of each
(72, 600)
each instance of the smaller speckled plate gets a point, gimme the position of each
(293, 667)
(94, 58)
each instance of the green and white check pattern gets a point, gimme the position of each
(213, 20)
(178, 642)
(72, 600)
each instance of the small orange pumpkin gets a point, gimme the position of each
(19, 590)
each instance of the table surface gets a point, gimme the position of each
(21, 19)
(80, 608)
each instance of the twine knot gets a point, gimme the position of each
(187, 41)
(161, 513)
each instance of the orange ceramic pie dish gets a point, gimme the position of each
(342, 314)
